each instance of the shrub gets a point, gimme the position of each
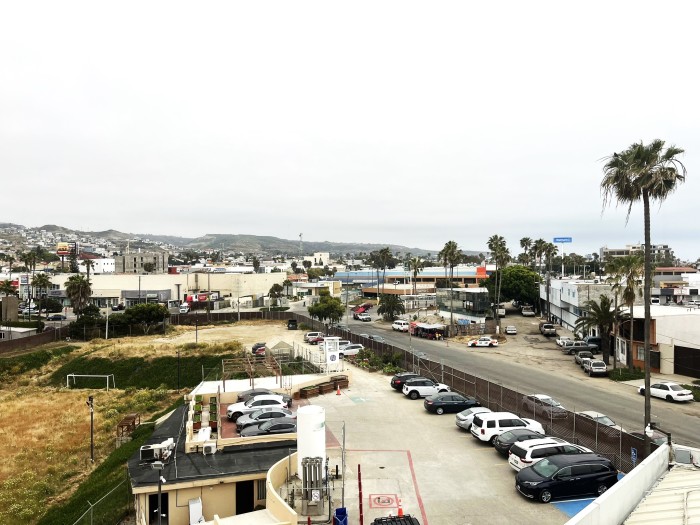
(625, 374)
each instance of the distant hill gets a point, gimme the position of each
(236, 242)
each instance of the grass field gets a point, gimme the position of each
(45, 427)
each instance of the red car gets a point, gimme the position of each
(315, 340)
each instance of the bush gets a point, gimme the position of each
(625, 374)
(695, 389)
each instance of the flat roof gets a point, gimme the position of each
(182, 467)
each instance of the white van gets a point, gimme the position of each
(184, 308)
(400, 326)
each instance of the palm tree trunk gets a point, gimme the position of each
(647, 319)
(630, 361)
(451, 300)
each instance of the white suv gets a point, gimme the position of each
(400, 325)
(491, 424)
(526, 453)
(236, 410)
(422, 387)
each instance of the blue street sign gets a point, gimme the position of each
(562, 239)
(634, 457)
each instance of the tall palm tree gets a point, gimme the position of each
(526, 244)
(497, 245)
(643, 172)
(10, 261)
(538, 248)
(89, 265)
(385, 257)
(41, 282)
(600, 315)
(632, 268)
(451, 256)
(615, 280)
(79, 292)
(415, 265)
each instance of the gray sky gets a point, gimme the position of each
(387, 122)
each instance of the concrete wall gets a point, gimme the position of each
(276, 477)
(616, 504)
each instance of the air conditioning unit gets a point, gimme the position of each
(209, 448)
(150, 452)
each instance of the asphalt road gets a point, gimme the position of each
(532, 363)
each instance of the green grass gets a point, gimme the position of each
(139, 372)
(102, 480)
(624, 374)
(695, 389)
(13, 366)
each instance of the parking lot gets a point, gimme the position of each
(441, 473)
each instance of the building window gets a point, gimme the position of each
(640, 352)
(262, 489)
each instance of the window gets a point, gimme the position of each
(640, 353)
(564, 473)
(491, 424)
(262, 489)
(580, 470)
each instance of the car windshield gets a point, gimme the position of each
(506, 437)
(250, 402)
(545, 468)
(605, 420)
(551, 402)
(676, 388)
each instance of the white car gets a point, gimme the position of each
(483, 341)
(668, 391)
(351, 349)
(595, 367)
(601, 419)
(364, 317)
(465, 417)
(510, 330)
(562, 338)
(400, 325)
(487, 426)
(422, 387)
(527, 453)
(236, 410)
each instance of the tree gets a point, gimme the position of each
(146, 315)
(78, 292)
(600, 315)
(451, 256)
(256, 264)
(147, 267)
(276, 291)
(538, 248)
(42, 283)
(415, 265)
(497, 245)
(294, 266)
(631, 267)
(525, 244)
(287, 284)
(390, 306)
(327, 307)
(306, 265)
(90, 264)
(518, 283)
(643, 173)
(7, 289)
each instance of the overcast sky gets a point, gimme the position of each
(386, 122)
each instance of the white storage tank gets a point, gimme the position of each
(311, 434)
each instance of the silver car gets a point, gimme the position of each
(465, 417)
(261, 415)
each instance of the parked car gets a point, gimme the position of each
(504, 441)
(56, 317)
(584, 360)
(30, 311)
(316, 340)
(364, 318)
(527, 311)
(576, 346)
(184, 308)
(422, 387)
(544, 406)
(594, 341)
(257, 346)
(249, 394)
(282, 425)
(566, 476)
(580, 356)
(448, 402)
(483, 341)
(656, 437)
(343, 343)
(465, 417)
(399, 379)
(377, 338)
(668, 391)
(562, 339)
(351, 349)
(400, 325)
(527, 453)
(262, 415)
(599, 418)
(594, 367)
(236, 410)
(312, 335)
(292, 324)
(548, 329)
(510, 330)
(486, 427)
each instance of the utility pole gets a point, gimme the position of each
(90, 405)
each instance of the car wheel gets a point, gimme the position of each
(669, 398)
(490, 344)
(493, 438)
(641, 391)
(545, 496)
(236, 415)
(601, 488)
(413, 395)
(439, 411)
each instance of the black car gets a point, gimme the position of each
(56, 317)
(399, 379)
(291, 324)
(504, 441)
(245, 396)
(565, 476)
(281, 425)
(449, 402)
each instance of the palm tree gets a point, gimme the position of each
(631, 267)
(615, 280)
(415, 265)
(384, 257)
(10, 260)
(7, 289)
(90, 264)
(538, 248)
(497, 245)
(643, 173)
(526, 244)
(41, 282)
(79, 292)
(549, 251)
(390, 307)
(600, 315)
(451, 256)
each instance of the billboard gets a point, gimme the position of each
(66, 248)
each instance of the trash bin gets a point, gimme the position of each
(340, 516)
